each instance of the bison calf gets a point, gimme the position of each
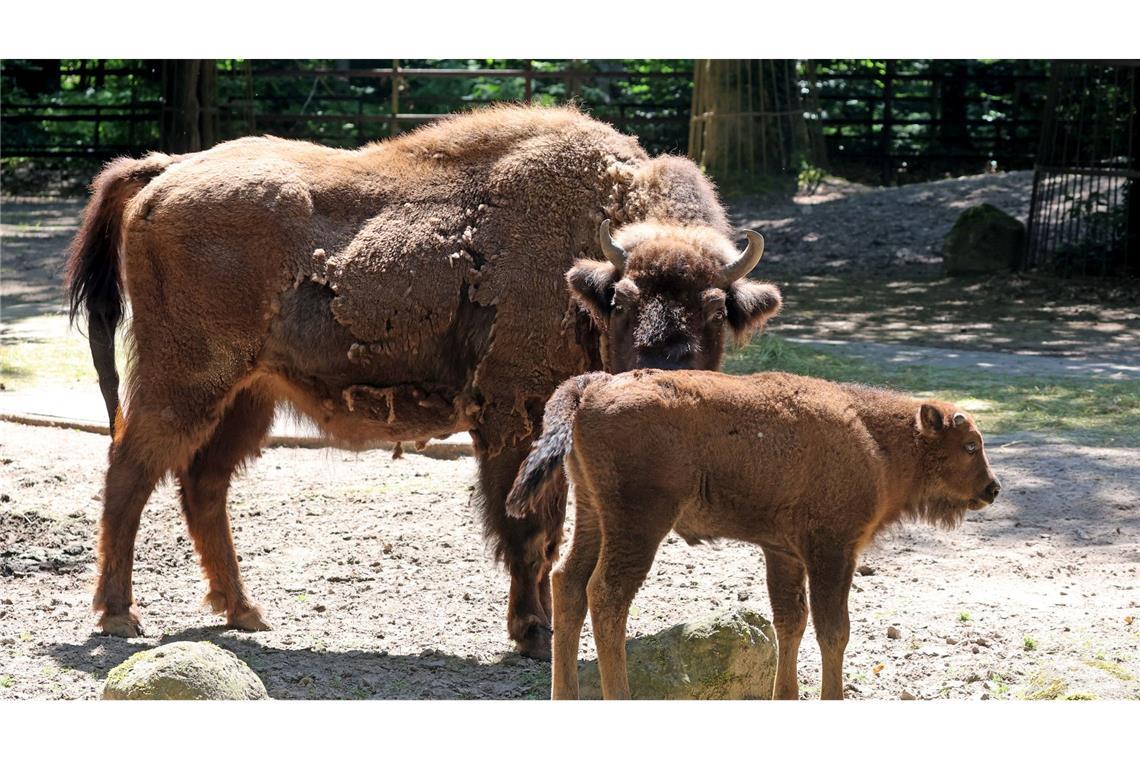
(809, 470)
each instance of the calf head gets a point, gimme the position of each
(957, 475)
(667, 295)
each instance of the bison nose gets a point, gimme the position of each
(992, 490)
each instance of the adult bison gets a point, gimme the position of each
(411, 289)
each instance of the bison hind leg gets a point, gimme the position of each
(205, 486)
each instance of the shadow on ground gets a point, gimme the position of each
(352, 674)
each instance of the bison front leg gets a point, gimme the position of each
(829, 581)
(789, 617)
(528, 547)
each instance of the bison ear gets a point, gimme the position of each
(592, 287)
(930, 419)
(750, 304)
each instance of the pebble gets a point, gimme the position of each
(742, 596)
(865, 570)
(906, 696)
(893, 633)
(951, 640)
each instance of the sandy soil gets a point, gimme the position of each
(373, 571)
(373, 574)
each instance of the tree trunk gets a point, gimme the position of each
(189, 110)
(953, 132)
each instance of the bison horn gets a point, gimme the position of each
(746, 261)
(614, 252)
(958, 419)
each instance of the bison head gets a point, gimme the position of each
(957, 474)
(666, 295)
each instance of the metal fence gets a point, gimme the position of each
(885, 121)
(1084, 215)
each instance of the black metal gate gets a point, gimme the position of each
(1084, 217)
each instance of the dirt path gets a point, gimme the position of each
(373, 574)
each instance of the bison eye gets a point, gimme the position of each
(718, 316)
(971, 447)
(618, 308)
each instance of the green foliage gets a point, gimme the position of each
(1106, 412)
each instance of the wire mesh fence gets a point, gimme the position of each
(1085, 211)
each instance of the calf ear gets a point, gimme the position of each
(592, 287)
(750, 304)
(930, 419)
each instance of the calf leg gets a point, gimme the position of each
(789, 617)
(528, 547)
(626, 557)
(829, 580)
(569, 582)
(205, 484)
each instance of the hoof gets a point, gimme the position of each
(123, 626)
(536, 643)
(249, 620)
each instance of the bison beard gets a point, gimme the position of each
(411, 289)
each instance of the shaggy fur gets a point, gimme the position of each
(411, 289)
(809, 470)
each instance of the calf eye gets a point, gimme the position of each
(971, 447)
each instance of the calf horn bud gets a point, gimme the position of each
(958, 419)
(613, 252)
(746, 261)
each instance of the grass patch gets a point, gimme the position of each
(54, 356)
(1112, 668)
(1029, 644)
(1099, 412)
(1044, 686)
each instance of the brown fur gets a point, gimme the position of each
(410, 289)
(809, 470)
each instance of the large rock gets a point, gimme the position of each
(984, 240)
(729, 656)
(183, 670)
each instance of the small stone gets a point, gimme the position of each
(742, 596)
(319, 608)
(906, 696)
(893, 633)
(951, 640)
(183, 670)
(975, 650)
(982, 642)
(865, 570)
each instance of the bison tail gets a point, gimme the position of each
(94, 280)
(541, 475)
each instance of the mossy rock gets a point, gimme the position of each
(728, 656)
(183, 670)
(984, 240)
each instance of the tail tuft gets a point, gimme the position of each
(541, 478)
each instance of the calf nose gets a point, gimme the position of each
(993, 489)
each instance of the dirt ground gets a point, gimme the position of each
(375, 579)
(373, 571)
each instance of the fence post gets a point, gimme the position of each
(393, 122)
(528, 80)
(886, 131)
